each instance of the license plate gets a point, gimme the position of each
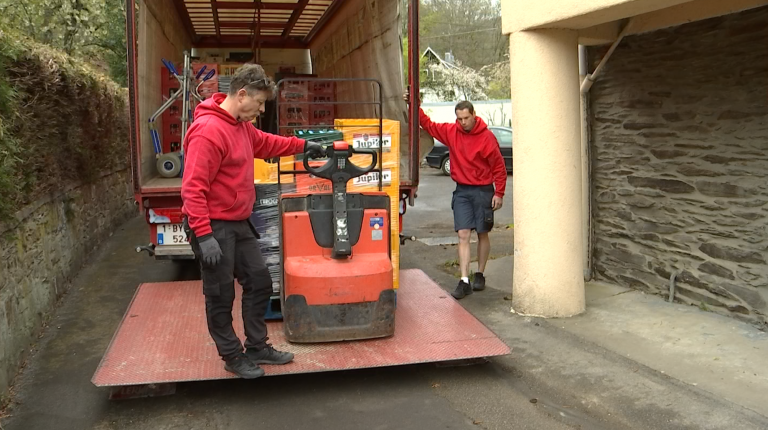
(371, 141)
(171, 234)
(372, 178)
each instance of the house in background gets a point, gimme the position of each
(441, 109)
(435, 65)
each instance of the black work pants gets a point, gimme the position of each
(241, 260)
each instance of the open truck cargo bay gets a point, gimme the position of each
(337, 39)
(322, 38)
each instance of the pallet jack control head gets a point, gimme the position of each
(338, 169)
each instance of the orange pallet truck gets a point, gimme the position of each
(337, 268)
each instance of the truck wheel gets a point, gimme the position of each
(446, 166)
(169, 165)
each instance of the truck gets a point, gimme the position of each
(313, 38)
(352, 45)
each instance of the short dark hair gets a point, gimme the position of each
(253, 78)
(465, 105)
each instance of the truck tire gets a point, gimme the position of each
(169, 165)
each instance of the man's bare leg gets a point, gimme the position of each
(463, 289)
(483, 251)
(465, 254)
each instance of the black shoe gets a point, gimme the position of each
(478, 284)
(461, 291)
(268, 355)
(243, 367)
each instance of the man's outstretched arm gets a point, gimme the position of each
(266, 145)
(439, 131)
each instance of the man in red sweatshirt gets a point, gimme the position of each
(218, 196)
(476, 164)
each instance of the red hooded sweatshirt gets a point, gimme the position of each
(475, 156)
(218, 165)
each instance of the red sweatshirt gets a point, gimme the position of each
(218, 165)
(475, 156)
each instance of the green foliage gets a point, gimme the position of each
(93, 30)
(471, 31)
(498, 80)
(60, 122)
(9, 146)
(422, 64)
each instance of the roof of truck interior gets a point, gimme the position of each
(270, 23)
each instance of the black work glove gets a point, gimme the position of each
(314, 150)
(210, 249)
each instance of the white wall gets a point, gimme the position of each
(493, 112)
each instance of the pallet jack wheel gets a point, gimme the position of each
(169, 165)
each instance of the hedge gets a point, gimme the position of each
(61, 122)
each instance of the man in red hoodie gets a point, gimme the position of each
(476, 164)
(218, 195)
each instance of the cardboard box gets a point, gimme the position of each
(364, 133)
(266, 173)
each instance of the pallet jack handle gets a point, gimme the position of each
(339, 170)
(210, 74)
(171, 68)
(200, 72)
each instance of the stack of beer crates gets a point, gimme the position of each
(322, 112)
(265, 219)
(293, 101)
(171, 118)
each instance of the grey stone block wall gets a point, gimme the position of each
(680, 163)
(44, 250)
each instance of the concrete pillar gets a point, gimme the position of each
(547, 197)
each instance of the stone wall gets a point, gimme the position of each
(680, 163)
(41, 252)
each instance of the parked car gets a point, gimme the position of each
(438, 157)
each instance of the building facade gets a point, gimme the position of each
(645, 124)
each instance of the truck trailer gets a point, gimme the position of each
(347, 57)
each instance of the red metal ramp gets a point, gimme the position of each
(163, 337)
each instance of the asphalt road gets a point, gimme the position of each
(55, 392)
(552, 380)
